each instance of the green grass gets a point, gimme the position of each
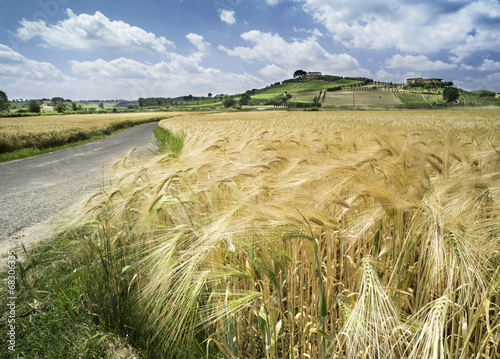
(50, 319)
(167, 142)
(313, 85)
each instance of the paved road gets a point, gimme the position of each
(34, 190)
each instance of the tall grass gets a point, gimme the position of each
(306, 235)
(166, 141)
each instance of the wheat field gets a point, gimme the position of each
(47, 131)
(306, 235)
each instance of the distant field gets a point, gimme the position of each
(372, 97)
(48, 131)
(418, 98)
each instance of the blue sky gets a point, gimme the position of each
(129, 49)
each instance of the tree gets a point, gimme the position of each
(245, 99)
(450, 94)
(33, 106)
(228, 102)
(60, 108)
(299, 73)
(4, 102)
(57, 101)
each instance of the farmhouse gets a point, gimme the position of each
(311, 74)
(420, 79)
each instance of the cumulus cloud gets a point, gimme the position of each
(489, 82)
(132, 79)
(460, 27)
(227, 16)
(418, 63)
(199, 42)
(307, 53)
(275, 72)
(92, 32)
(23, 77)
(15, 66)
(489, 65)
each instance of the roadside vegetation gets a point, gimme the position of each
(294, 234)
(50, 319)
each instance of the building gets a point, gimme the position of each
(413, 80)
(420, 79)
(433, 80)
(311, 74)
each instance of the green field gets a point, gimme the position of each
(312, 85)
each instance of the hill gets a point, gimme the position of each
(317, 83)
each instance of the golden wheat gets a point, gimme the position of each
(292, 234)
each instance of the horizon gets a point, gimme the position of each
(128, 50)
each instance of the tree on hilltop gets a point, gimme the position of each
(4, 102)
(299, 73)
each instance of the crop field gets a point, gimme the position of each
(47, 131)
(370, 97)
(416, 98)
(306, 235)
(312, 85)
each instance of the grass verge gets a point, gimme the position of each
(50, 319)
(31, 152)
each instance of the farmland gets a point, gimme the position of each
(360, 98)
(418, 98)
(281, 234)
(42, 132)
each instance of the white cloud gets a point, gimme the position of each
(417, 63)
(92, 32)
(459, 27)
(272, 2)
(314, 32)
(199, 42)
(15, 66)
(23, 77)
(490, 82)
(489, 65)
(227, 16)
(127, 78)
(307, 54)
(275, 72)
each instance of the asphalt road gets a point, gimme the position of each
(38, 189)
